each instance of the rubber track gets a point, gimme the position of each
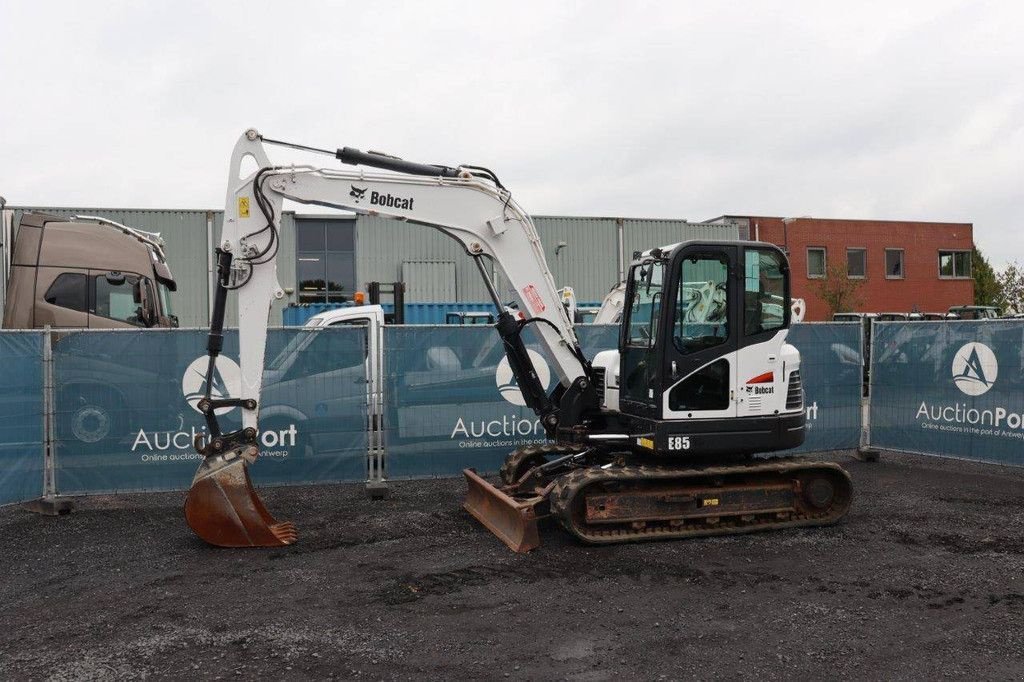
(566, 500)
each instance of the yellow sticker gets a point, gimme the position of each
(645, 443)
(243, 207)
(711, 502)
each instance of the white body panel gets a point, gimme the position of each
(749, 397)
(608, 360)
(763, 398)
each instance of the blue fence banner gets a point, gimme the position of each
(832, 374)
(126, 418)
(954, 389)
(451, 401)
(21, 417)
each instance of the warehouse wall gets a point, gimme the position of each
(588, 262)
(640, 234)
(382, 245)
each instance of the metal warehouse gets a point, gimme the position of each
(325, 258)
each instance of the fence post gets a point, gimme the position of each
(50, 504)
(865, 452)
(376, 477)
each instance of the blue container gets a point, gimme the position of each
(296, 315)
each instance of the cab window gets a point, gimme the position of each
(645, 306)
(68, 291)
(119, 297)
(764, 292)
(702, 303)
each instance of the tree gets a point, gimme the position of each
(840, 293)
(1011, 282)
(987, 287)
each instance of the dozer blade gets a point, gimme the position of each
(512, 520)
(223, 508)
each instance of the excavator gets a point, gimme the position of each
(658, 439)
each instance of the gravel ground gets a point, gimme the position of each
(923, 579)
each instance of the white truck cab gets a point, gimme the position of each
(371, 317)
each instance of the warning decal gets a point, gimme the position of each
(533, 298)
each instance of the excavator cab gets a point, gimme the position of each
(704, 363)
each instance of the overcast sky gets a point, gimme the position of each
(674, 109)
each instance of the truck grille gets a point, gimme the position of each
(795, 396)
(599, 380)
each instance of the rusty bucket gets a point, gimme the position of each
(223, 508)
(513, 521)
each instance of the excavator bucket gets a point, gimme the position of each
(223, 508)
(513, 521)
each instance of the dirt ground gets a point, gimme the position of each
(923, 579)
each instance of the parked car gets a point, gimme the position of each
(975, 312)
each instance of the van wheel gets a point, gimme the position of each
(90, 415)
(90, 423)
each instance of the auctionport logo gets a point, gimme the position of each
(974, 371)
(163, 446)
(975, 368)
(511, 430)
(507, 385)
(227, 381)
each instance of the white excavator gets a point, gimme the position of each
(654, 440)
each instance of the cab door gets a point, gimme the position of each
(762, 374)
(699, 364)
(640, 341)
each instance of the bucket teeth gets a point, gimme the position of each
(223, 508)
(514, 522)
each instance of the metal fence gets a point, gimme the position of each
(22, 416)
(954, 389)
(102, 411)
(831, 369)
(450, 400)
(125, 416)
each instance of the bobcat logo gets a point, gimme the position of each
(975, 368)
(357, 193)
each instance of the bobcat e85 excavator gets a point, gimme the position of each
(653, 440)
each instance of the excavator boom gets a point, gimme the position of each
(468, 203)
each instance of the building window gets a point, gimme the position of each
(325, 260)
(894, 263)
(856, 263)
(815, 262)
(955, 264)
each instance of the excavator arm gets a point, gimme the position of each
(467, 203)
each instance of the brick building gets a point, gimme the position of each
(903, 265)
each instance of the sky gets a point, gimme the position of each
(909, 110)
